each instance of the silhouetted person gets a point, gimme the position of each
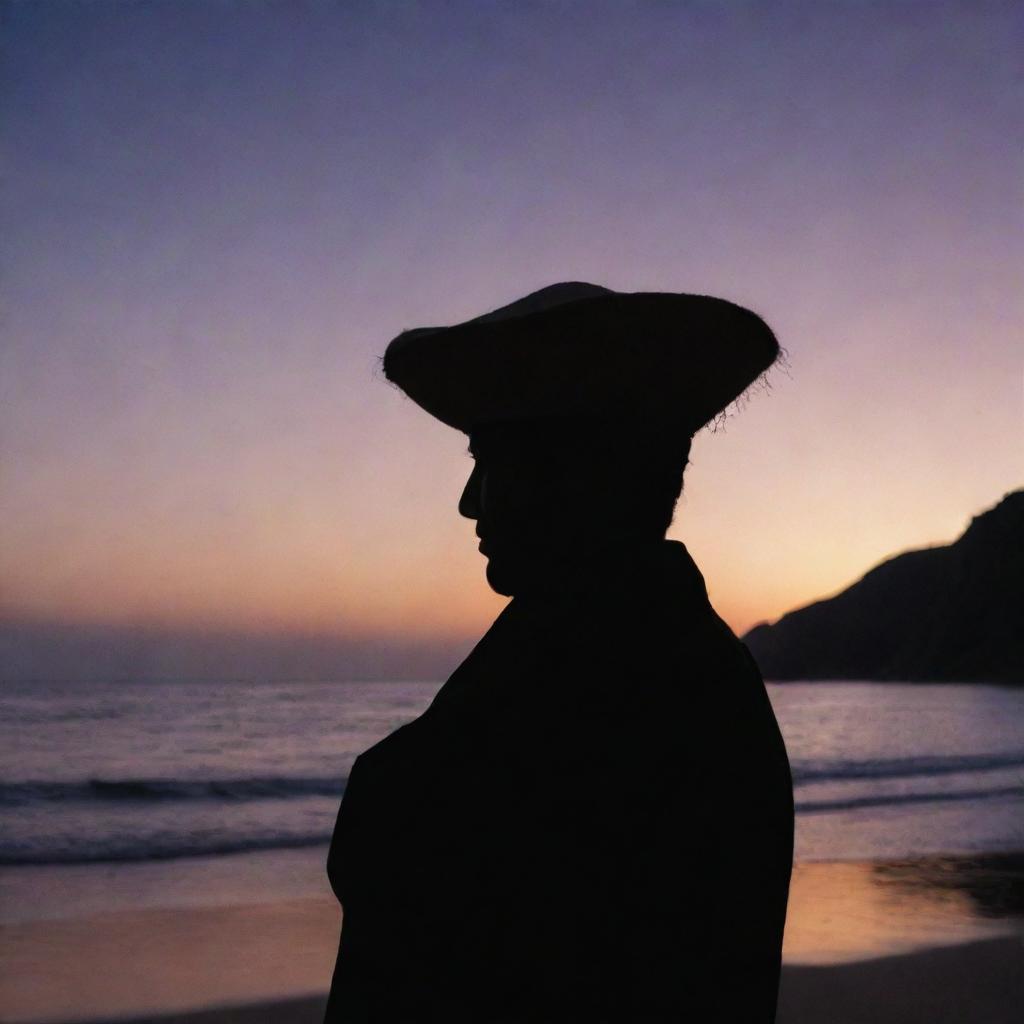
(593, 820)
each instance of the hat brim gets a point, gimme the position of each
(676, 358)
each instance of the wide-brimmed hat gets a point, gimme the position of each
(579, 350)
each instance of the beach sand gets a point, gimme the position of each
(862, 945)
(976, 983)
(129, 963)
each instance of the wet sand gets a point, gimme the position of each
(857, 949)
(977, 983)
(136, 963)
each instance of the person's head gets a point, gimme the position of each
(542, 490)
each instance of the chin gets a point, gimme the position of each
(499, 579)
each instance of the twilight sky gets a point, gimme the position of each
(216, 215)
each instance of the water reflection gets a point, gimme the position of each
(846, 911)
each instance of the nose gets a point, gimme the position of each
(469, 503)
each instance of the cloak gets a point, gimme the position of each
(593, 820)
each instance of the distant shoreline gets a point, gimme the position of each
(949, 613)
(894, 681)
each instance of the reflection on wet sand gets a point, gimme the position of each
(840, 912)
(201, 953)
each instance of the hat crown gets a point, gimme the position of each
(545, 298)
(575, 349)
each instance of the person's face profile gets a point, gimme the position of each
(519, 494)
(540, 490)
(505, 492)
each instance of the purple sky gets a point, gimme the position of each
(216, 215)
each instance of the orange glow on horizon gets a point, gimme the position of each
(196, 430)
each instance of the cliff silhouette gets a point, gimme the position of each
(953, 613)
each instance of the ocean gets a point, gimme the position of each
(163, 847)
(121, 772)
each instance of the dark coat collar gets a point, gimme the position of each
(616, 593)
(659, 569)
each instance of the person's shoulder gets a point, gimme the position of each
(714, 637)
(688, 634)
